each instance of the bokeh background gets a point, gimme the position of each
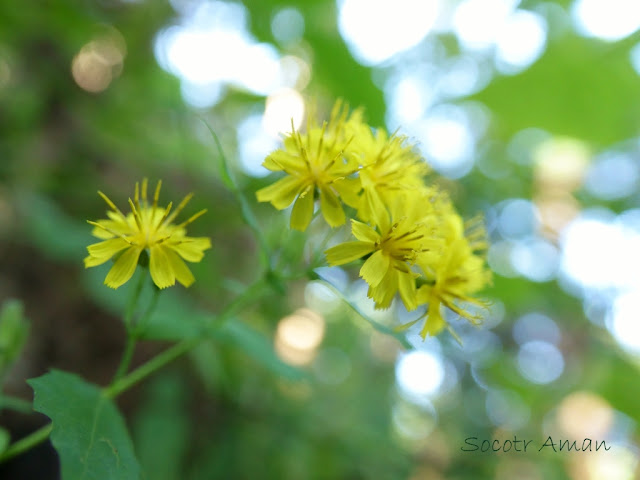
(528, 112)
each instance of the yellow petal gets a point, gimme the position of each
(348, 189)
(371, 205)
(103, 251)
(407, 289)
(424, 293)
(331, 207)
(364, 232)
(374, 209)
(124, 267)
(435, 323)
(281, 193)
(101, 234)
(182, 272)
(384, 292)
(375, 268)
(280, 160)
(302, 210)
(160, 267)
(191, 248)
(93, 261)
(347, 252)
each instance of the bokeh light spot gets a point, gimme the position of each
(610, 20)
(299, 335)
(540, 362)
(99, 62)
(419, 374)
(535, 326)
(613, 176)
(375, 30)
(577, 406)
(624, 324)
(520, 42)
(287, 25)
(284, 109)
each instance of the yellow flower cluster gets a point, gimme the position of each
(414, 241)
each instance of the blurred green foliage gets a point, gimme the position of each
(234, 408)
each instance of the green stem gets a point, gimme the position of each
(157, 362)
(141, 323)
(133, 300)
(135, 327)
(26, 443)
(120, 385)
(376, 325)
(15, 404)
(245, 210)
(126, 357)
(251, 294)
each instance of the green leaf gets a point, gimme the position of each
(161, 430)
(88, 431)
(49, 228)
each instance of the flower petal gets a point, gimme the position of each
(160, 267)
(331, 207)
(182, 272)
(281, 193)
(302, 210)
(384, 292)
(347, 252)
(191, 248)
(364, 232)
(124, 267)
(281, 160)
(407, 289)
(348, 189)
(375, 268)
(103, 251)
(435, 323)
(371, 206)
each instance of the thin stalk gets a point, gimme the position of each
(125, 361)
(245, 210)
(26, 443)
(133, 300)
(15, 404)
(378, 326)
(120, 385)
(157, 362)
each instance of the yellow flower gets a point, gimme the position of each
(390, 166)
(402, 240)
(316, 161)
(457, 274)
(146, 227)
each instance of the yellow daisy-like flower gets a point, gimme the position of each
(400, 242)
(456, 275)
(147, 227)
(316, 161)
(390, 166)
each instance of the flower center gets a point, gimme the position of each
(402, 244)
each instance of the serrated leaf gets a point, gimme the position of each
(88, 431)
